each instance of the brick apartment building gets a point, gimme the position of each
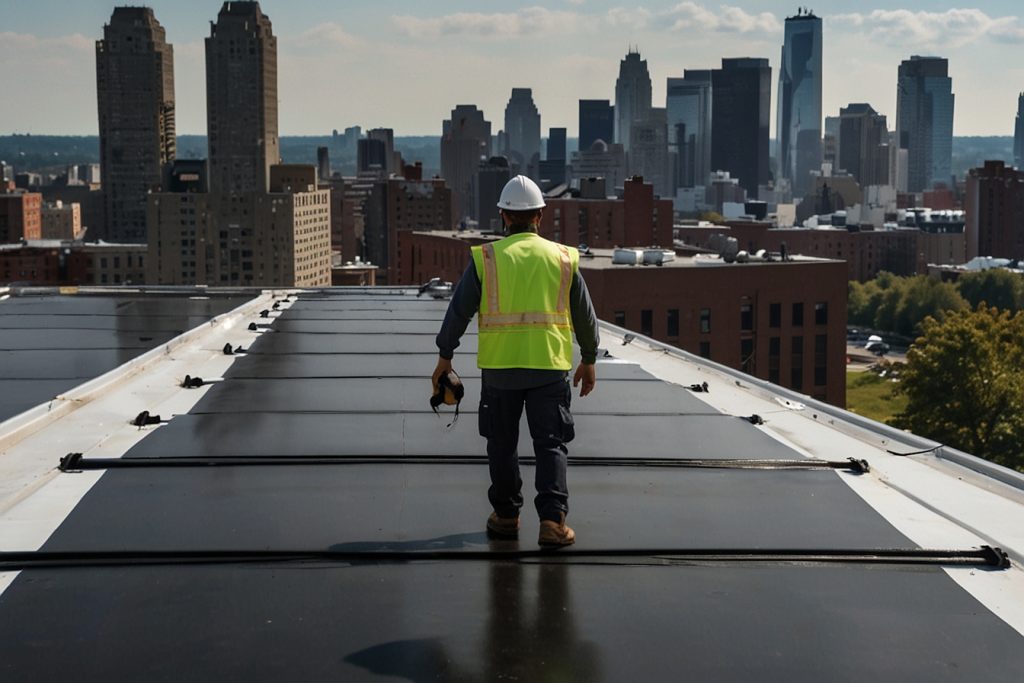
(63, 262)
(995, 211)
(20, 216)
(638, 219)
(780, 321)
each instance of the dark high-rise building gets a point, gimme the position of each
(740, 113)
(994, 207)
(386, 136)
(924, 121)
(372, 156)
(241, 99)
(688, 104)
(489, 181)
(799, 101)
(135, 95)
(323, 163)
(465, 142)
(864, 144)
(522, 131)
(556, 149)
(553, 169)
(1018, 134)
(632, 96)
(597, 122)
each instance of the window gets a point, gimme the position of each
(774, 315)
(647, 322)
(747, 356)
(798, 315)
(705, 320)
(796, 379)
(820, 360)
(620, 318)
(705, 349)
(672, 323)
(774, 351)
(821, 313)
(746, 317)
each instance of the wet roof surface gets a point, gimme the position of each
(344, 375)
(50, 344)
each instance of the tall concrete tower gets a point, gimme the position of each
(799, 101)
(522, 128)
(465, 142)
(924, 121)
(135, 95)
(241, 99)
(632, 96)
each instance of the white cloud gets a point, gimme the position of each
(952, 28)
(576, 2)
(691, 16)
(525, 23)
(327, 35)
(636, 18)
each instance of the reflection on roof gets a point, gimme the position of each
(305, 516)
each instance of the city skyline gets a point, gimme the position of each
(456, 52)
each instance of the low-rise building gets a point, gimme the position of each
(73, 263)
(591, 218)
(20, 216)
(61, 221)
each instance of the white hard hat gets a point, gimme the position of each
(521, 194)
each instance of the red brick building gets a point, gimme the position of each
(781, 321)
(443, 254)
(61, 262)
(20, 216)
(995, 211)
(636, 220)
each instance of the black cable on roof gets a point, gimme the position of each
(77, 462)
(985, 556)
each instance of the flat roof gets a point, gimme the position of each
(601, 259)
(304, 515)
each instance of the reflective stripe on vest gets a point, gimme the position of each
(518, 327)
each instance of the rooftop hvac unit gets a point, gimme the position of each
(629, 257)
(658, 256)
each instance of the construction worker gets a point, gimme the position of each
(530, 297)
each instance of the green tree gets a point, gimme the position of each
(964, 383)
(996, 287)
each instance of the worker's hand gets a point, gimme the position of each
(588, 375)
(443, 365)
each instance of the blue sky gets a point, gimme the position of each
(405, 65)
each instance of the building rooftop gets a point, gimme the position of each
(605, 259)
(303, 515)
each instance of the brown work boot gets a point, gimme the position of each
(506, 527)
(555, 534)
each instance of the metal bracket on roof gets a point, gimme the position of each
(859, 466)
(755, 419)
(228, 351)
(70, 463)
(265, 313)
(144, 418)
(701, 388)
(192, 382)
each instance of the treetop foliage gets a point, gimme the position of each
(964, 381)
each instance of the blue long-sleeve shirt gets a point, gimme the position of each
(465, 303)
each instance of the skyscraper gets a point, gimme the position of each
(522, 128)
(994, 207)
(1018, 134)
(688, 104)
(799, 101)
(553, 167)
(864, 144)
(649, 156)
(597, 122)
(465, 142)
(241, 99)
(740, 113)
(632, 97)
(259, 223)
(135, 95)
(924, 121)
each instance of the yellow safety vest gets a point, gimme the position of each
(524, 302)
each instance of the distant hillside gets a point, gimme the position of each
(51, 153)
